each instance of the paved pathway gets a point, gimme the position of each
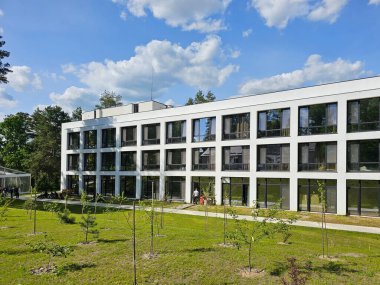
(341, 227)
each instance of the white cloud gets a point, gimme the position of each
(314, 71)
(170, 102)
(235, 53)
(247, 33)
(374, 2)
(74, 97)
(278, 13)
(22, 77)
(1, 31)
(328, 10)
(68, 68)
(123, 15)
(6, 100)
(199, 65)
(1, 13)
(198, 15)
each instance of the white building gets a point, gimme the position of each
(265, 147)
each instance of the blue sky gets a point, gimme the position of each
(69, 52)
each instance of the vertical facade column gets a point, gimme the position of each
(81, 161)
(138, 160)
(161, 194)
(293, 183)
(189, 139)
(98, 159)
(117, 161)
(341, 192)
(252, 196)
(63, 158)
(218, 160)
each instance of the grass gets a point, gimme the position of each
(187, 253)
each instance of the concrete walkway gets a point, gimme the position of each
(340, 227)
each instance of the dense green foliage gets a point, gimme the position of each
(4, 67)
(201, 98)
(186, 254)
(109, 99)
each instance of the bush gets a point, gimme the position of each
(65, 217)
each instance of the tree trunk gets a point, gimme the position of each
(151, 232)
(250, 255)
(162, 216)
(323, 236)
(224, 223)
(35, 213)
(134, 243)
(326, 239)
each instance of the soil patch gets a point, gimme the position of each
(329, 258)
(149, 256)
(352, 254)
(44, 270)
(228, 245)
(254, 273)
(87, 243)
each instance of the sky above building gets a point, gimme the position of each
(68, 52)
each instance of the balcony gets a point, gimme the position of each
(73, 147)
(73, 167)
(236, 136)
(129, 143)
(181, 167)
(131, 167)
(274, 133)
(203, 138)
(150, 141)
(363, 127)
(364, 166)
(176, 140)
(273, 167)
(150, 167)
(236, 166)
(108, 168)
(205, 166)
(90, 146)
(108, 144)
(317, 130)
(317, 167)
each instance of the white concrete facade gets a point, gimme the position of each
(339, 93)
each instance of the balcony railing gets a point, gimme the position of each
(236, 136)
(317, 167)
(175, 167)
(151, 167)
(176, 140)
(317, 130)
(273, 167)
(363, 127)
(204, 138)
(364, 166)
(150, 141)
(129, 143)
(273, 133)
(73, 147)
(73, 167)
(108, 144)
(90, 146)
(108, 168)
(90, 168)
(203, 166)
(130, 167)
(236, 166)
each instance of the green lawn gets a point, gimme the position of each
(187, 254)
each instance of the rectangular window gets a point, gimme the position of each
(150, 185)
(72, 183)
(90, 139)
(274, 123)
(176, 159)
(151, 160)
(128, 161)
(129, 136)
(109, 137)
(73, 140)
(108, 161)
(363, 155)
(318, 119)
(236, 126)
(108, 185)
(236, 158)
(235, 191)
(203, 158)
(204, 129)
(89, 184)
(176, 132)
(272, 191)
(128, 186)
(89, 163)
(202, 183)
(175, 188)
(363, 115)
(311, 193)
(317, 156)
(151, 134)
(73, 162)
(273, 157)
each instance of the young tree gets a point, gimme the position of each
(4, 67)
(4, 207)
(208, 194)
(109, 99)
(322, 200)
(88, 220)
(76, 115)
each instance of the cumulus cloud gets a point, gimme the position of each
(198, 65)
(314, 71)
(6, 100)
(1, 13)
(73, 97)
(198, 15)
(374, 2)
(123, 15)
(247, 33)
(278, 13)
(170, 102)
(22, 77)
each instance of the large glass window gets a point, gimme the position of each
(318, 119)
(271, 191)
(203, 158)
(363, 115)
(72, 183)
(236, 126)
(89, 184)
(235, 158)
(73, 162)
(108, 161)
(202, 183)
(89, 163)
(176, 132)
(309, 197)
(151, 134)
(273, 157)
(150, 185)
(363, 197)
(90, 138)
(363, 155)
(151, 160)
(128, 136)
(274, 123)
(235, 191)
(109, 137)
(128, 161)
(73, 140)
(204, 129)
(128, 186)
(175, 188)
(176, 159)
(108, 185)
(317, 156)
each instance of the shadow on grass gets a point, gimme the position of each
(335, 268)
(113, 240)
(72, 267)
(199, 249)
(14, 251)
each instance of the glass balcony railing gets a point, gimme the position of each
(176, 167)
(236, 136)
(130, 167)
(203, 166)
(317, 130)
(129, 143)
(273, 167)
(176, 140)
(150, 141)
(151, 167)
(363, 166)
(236, 166)
(363, 127)
(273, 133)
(317, 167)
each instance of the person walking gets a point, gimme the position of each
(195, 196)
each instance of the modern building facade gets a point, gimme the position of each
(262, 148)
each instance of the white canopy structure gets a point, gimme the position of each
(14, 178)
